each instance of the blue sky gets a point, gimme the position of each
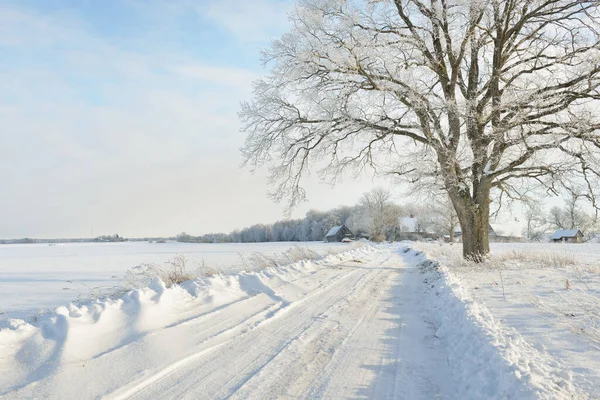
(121, 116)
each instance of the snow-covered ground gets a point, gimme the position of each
(37, 278)
(348, 326)
(547, 294)
(372, 322)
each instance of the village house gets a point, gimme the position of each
(567, 236)
(409, 224)
(338, 234)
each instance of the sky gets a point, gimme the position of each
(121, 117)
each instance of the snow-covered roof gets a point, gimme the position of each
(562, 233)
(333, 231)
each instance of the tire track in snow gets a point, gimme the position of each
(295, 369)
(289, 335)
(383, 350)
(218, 377)
(345, 350)
(221, 315)
(244, 328)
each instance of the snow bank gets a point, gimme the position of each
(30, 351)
(488, 359)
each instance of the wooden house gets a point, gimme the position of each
(338, 233)
(567, 236)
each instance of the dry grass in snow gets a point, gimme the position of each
(550, 293)
(178, 270)
(258, 261)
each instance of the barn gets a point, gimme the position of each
(567, 236)
(338, 233)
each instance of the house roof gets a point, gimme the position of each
(565, 233)
(333, 231)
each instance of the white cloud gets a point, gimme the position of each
(126, 140)
(234, 77)
(26, 28)
(250, 21)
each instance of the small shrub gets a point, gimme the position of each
(173, 274)
(206, 272)
(298, 253)
(259, 261)
(86, 292)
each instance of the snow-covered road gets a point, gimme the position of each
(351, 328)
(375, 322)
(345, 335)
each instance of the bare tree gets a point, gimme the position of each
(577, 217)
(557, 218)
(444, 217)
(572, 216)
(343, 213)
(379, 214)
(535, 220)
(420, 217)
(481, 98)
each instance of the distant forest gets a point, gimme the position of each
(375, 217)
(313, 227)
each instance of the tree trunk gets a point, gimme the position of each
(474, 216)
(476, 241)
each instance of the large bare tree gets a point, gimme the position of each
(480, 97)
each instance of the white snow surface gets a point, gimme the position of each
(66, 272)
(374, 322)
(544, 297)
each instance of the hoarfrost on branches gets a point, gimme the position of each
(481, 98)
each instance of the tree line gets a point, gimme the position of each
(572, 215)
(376, 217)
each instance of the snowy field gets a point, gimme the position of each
(548, 293)
(37, 278)
(376, 322)
(313, 329)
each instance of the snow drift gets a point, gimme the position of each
(31, 351)
(370, 301)
(488, 359)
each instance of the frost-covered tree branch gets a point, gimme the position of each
(479, 98)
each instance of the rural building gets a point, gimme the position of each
(338, 233)
(491, 232)
(567, 236)
(409, 224)
(410, 228)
